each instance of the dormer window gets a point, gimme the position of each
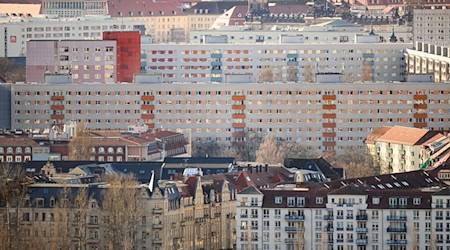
(417, 201)
(319, 200)
(40, 202)
(278, 200)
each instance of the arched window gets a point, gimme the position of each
(111, 150)
(93, 150)
(27, 150)
(119, 150)
(101, 150)
(9, 150)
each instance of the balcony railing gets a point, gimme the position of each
(397, 242)
(328, 217)
(362, 230)
(396, 218)
(396, 229)
(361, 217)
(290, 217)
(361, 242)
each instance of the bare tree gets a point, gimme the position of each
(12, 71)
(295, 150)
(245, 149)
(367, 72)
(13, 189)
(266, 74)
(308, 73)
(61, 224)
(207, 148)
(80, 145)
(270, 151)
(357, 163)
(123, 208)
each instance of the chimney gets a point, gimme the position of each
(260, 168)
(256, 169)
(266, 167)
(250, 169)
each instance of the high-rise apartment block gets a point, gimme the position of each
(15, 32)
(431, 53)
(284, 61)
(323, 116)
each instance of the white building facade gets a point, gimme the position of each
(15, 32)
(324, 116)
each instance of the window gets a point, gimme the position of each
(376, 200)
(319, 200)
(278, 200)
(416, 201)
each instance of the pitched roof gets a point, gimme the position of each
(200, 160)
(314, 164)
(372, 137)
(403, 135)
(17, 9)
(119, 8)
(250, 190)
(17, 141)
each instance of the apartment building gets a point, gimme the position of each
(431, 53)
(74, 8)
(194, 214)
(403, 149)
(323, 116)
(16, 149)
(15, 32)
(399, 211)
(284, 62)
(334, 31)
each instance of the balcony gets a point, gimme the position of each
(157, 241)
(57, 117)
(339, 217)
(349, 229)
(361, 217)
(214, 64)
(329, 229)
(216, 55)
(420, 116)
(339, 229)
(349, 217)
(290, 241)
(244, 215)
(397, 242)
(329, 106)
(158, 226)
(57, 107)
(148, 107)
(439, 217)
(420, 106)
(294, 217)
(396, 218)
(238, 125)
(238, 116)
(328, 217)
(238, 97)
(290, 229)
(362, 242)
(329, 116)
(148, 116)
(396, 229)
(57, 98)
(339, 240)
(147, 98)
(238, 106)
(362, 230)
(420, 97)
(157, 210)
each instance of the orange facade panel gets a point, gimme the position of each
(57, 117)
(421, 116)
(329, 134)
(329, 97)
(238, 98)
(329, 106)
(238, 116)
(238, 107)
(420, 124)
(57, 98)
(329, 143)
(329, 125)
(147, 98)
(420, 97)
(420, 106)
(57, 107)
(148, 107)
(239, 125)
(148, 116)
(329, 116)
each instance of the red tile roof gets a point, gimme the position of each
(403, 135)
(17, 141)
(118, 8)
(372, 137)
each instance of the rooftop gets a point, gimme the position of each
(403, 135)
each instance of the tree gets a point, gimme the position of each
(245, 148)
(80, 145)
(207, 149)
(12, 71)
(295, 150)
(357, 163)
(309, 72)
(13, 189)
(123, 208)
(269, 151)
(266, 75)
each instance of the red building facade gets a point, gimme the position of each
(128, 53)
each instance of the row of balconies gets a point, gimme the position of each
(397, 242)
(396, 229)
(292, 217)
(396, 218)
